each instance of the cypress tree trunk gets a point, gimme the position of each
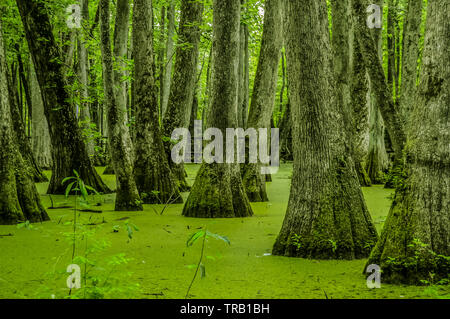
(69, 150)
(246, 89)
(354, 111)
(392, 43)
(377, 163)
(151, 168)
(22, 141)
(161, 56)
(377, 159)
(182, 90)
(411, 36)
(127, 196)
(169, 58)
(218, 189)
(360, 112)
(41, 143)
(243, 68)
(83, 69)
(286, 134)
(326, 216)
(382, 92)
(415, 241)
(264, 92)
(19, 199)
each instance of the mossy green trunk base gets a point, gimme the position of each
(331, 223)
(218, 193)
(254, 183)
(415, 241)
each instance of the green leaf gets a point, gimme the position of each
(67, 179)
(194, 238)
(83, 190)
(69, 188)
(76, 173)
(130, 232)
(91, 189)
(218, 237)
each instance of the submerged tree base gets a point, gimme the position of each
(322, 225)
(218, 193)
(410, 250)
(254, 183)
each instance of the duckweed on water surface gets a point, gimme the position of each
(160, 261)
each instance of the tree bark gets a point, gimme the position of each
(381, 91)
(326, 216)
(359, 88)
(346, 59)
(19, 199)
(218, 189)
(377, 164)
(151, 168)
(415, 241)
(183, 84)
(127, 196)
(41, 143)
(169, 58)
(83, 69)
(411, 36)
(264, 93)
(69, 150)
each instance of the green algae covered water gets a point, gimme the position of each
(163, 266)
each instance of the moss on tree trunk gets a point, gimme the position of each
(218, 190)
(19, 199)
(326, 216)
(415, 241)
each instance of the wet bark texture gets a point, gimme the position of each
(377, 164)
(347, 59)
(169, 58)
(218, 190)
(182, 90)
(69, 150)
(411, 36)
(83, 69)
(243, 73)
(264, 92)
(359, 87)
(19, 199)
(415, 241)
(21, 139)
(40, 139)
(326, 216)
(151, 168)
(127, 196)
(382, 93)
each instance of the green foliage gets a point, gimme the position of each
(203, 234)
(422, 265)
(77, 185)
(25, 225)
(296, 241)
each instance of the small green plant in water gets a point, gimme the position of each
(204, 235)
